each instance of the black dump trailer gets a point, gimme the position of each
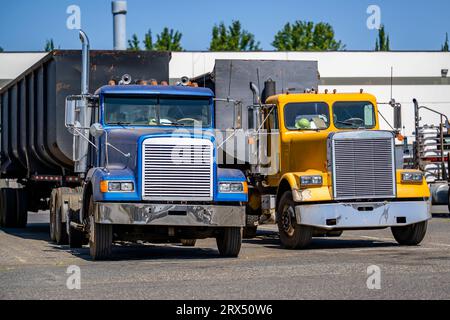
(230, 81)
(36, 147)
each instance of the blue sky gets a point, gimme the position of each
(412, 25)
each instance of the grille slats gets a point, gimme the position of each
(363, 168)
(177, 169)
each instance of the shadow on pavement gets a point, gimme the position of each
(270, 239)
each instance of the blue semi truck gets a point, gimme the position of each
(143, 168)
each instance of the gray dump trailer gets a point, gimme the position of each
(36, 147)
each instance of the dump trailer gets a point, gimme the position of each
(134, 161)
(317, 163)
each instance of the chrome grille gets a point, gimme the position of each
(363, 165)
(177, 169)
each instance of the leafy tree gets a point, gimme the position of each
(233, 38)
(445, 46)
(169, 40)
(1, 49)
(133, 44)
(49, 45)
(382, 43)
(307, 36)
(148, 41)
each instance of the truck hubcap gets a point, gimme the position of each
(288, 220)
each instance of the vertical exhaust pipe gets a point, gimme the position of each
(85, 63)
(119, 11)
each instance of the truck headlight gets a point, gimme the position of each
(311, 181)
(412, 177)
(116, 186)
(233, 187)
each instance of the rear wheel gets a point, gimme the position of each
(410, 235)
(188, 242)
(8, 208)
(229, 241)
(52, 215)
(61, 237)
(22, 208)
(292, 235)
(100, 236)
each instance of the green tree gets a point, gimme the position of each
(49, 45)
(233, 38)
(307, 36)
(148, 41)
(1, 49)
(168, 40)
(383, 42)
(445, 46)
(133, 44)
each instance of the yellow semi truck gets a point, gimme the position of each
(336, 171)
(316, 164)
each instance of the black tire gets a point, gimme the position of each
(8, 208)
(22, 208)
(61, 237)
(229, 241)
(410, 235)
(76, 238)
(292, 235)
(100, 237)
(52, 216)
(188, 242)
(250, 232)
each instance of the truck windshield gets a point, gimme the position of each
(354, 115)
(306, 116)
(158, 111)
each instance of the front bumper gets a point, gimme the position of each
(363, 215)
(170, 215)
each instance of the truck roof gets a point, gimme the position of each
(325, 97)
(146, 89)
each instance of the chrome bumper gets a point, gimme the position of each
(363, 215)
(170, 215)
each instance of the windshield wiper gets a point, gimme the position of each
(119, 123)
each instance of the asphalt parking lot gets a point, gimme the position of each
(31, 267)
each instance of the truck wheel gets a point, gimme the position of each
(8, 208)
(292, 235)
(410, 235)
(188, 242)
(100, 237)
(250, 232)
(52, 216)
(76, 238)
(22, 208)
(60, 228)
(229, 242)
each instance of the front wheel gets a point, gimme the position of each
(292, 235)
(229, 241)
(100, 236)
(410, 235)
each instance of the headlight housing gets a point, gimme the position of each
(306, 181)
(232, 187)
(412, 177)
(116, 186)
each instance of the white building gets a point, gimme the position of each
(420, 75)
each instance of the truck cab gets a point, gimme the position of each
(151, 170)
(336, 170)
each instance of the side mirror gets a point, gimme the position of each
(70, 113)
(97, 130)
(397, 115)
